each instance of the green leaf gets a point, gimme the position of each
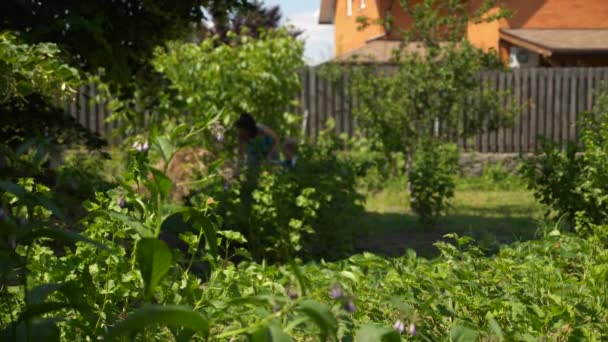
(271, 333)
(322, 316)
(65, 235)
(37, 310)
(232, 235)
(259, 300)
(200, 220)
(39, 293)
(154, 259)
(463, 333)
(169, 315)
(183, 335)
(162, 183)
(130, 222)
(299, 276)
(494, 326)
(25, 195)
(371, 332)
(165, 147)
(50, 205)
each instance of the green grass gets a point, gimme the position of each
(493, 212)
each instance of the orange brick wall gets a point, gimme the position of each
(347, 35)
(541, 14)
(526, 14)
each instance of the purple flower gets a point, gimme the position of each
(141, 147)
(1, 213)
(399, 326)
(349, 306)
(121, 202)
(412, 329)
(336, 292)
(22, 221)
(218, 133)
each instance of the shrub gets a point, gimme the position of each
(301, 211)
(553, 176)
(576, 187)
(432, 180)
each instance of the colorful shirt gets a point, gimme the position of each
(259, 147)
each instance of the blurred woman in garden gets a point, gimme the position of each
(256, 142)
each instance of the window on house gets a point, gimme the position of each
(349, 7)
(363, 4)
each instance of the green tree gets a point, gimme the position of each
(33, 77)
(432, 97)
(250, 20)
(118, 36)
(207, 81)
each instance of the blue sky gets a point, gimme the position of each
(305, 15)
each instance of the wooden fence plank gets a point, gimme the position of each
(518, 125)
(564, 117)
(581, 99)
(493, 134)
(501, 131)
(571, 131)
(533, 110)
(525, 97)
(509, 146)
(550, 100)
(485, 132)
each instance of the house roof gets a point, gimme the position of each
(380, 51)
(558, 41)
(327, 11)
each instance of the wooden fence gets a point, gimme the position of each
(550, 98)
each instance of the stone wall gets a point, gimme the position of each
(473, 164)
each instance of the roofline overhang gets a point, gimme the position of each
(526, 44)
(544, 50)
(327, 12)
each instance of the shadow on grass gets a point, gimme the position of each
(391, 234)
(499, 211)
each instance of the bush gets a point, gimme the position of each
(301, 211)
(432, 180)
(495, 177)
(553, 176)
(576, 187)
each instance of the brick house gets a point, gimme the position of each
(539, 33)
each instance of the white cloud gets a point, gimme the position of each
(319, 38)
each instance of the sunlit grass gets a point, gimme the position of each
(487, 210)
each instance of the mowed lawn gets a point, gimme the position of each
(490, 213)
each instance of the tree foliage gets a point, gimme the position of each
(574, 186)
(248, 20)
(433, 96)
(33, 80)
(118, 36)
(200, 81)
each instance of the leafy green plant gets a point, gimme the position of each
(433, 180)
(554, 176)
(574, 186)
(300, 211)
(431, 96)
(200, 81)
